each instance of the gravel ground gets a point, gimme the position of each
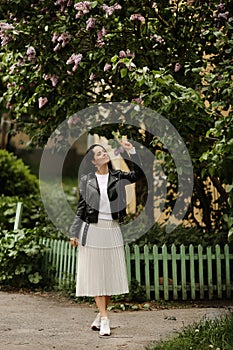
(35, 322)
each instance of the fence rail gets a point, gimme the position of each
(166, 273)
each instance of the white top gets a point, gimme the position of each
(104, 207)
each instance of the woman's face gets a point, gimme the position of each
(101, 156)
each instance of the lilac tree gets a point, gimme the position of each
(61, 56)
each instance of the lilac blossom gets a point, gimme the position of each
(158, 39)
(82, 7)
(63, 4)
(4, 35)
(177, 67)
(90, 23)
(76, 59)
(62, 39)
(74, 120)
(111, 9)
(137, 17)
(221, 7)
(137, 100)
(55, 36)
(42, 101)
(127, 53)
(107, 67)
(223, 15)
(100, 34)
(52, 78)
(31, 54)
(92, 76)
(118, 150)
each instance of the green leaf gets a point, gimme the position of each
(124, 72)
(230, 234)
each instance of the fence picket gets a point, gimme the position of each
(147, 271)
(183, 272)
(61, 259)
(227, 272)
(156, 272)
(210, 272)
(192, 272)
(74, 252)
(174, 272)
(137, 263)
(165, 272)
(218, 271)
(69, 278)
(128, 262)
(201, 272)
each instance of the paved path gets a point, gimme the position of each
(32, 322)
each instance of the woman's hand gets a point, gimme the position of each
(126, 145)
(74, 241)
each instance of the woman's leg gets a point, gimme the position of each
(102, 304)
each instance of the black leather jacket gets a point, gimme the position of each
(89, 196)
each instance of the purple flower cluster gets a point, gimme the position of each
(76, 59)
(62, 39)
(52, 78)
(63, 4)
(14, 68)
(127, 53)
(158, 39)
(222, 13)
(100, 34)
(118, 150)
(5, 36)
(90, 23)
(107, 67)
(82, 7)
(92, 76)
(137, 100)
(137, 17)
(111, 9)
(74, 120)
(42, 101)
(31, 54)
(177, 67)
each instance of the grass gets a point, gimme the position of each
(208, 334)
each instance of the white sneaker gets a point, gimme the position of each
(95, 326)
(104, 326)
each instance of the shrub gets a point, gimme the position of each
(21, 255)
(34, 216)
(15, 176)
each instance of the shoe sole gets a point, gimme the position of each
(94, 328)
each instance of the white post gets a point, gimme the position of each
(18, 216)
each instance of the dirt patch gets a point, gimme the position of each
(46, 321)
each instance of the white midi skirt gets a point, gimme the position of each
(101, 262)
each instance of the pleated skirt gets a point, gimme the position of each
(101, 262)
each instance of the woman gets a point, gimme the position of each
(101, 208)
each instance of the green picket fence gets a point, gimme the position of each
(167, 274)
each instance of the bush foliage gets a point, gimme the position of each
(21, 255)
(15, 177)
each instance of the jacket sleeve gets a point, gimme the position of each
(81, 208)
(137, 173)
